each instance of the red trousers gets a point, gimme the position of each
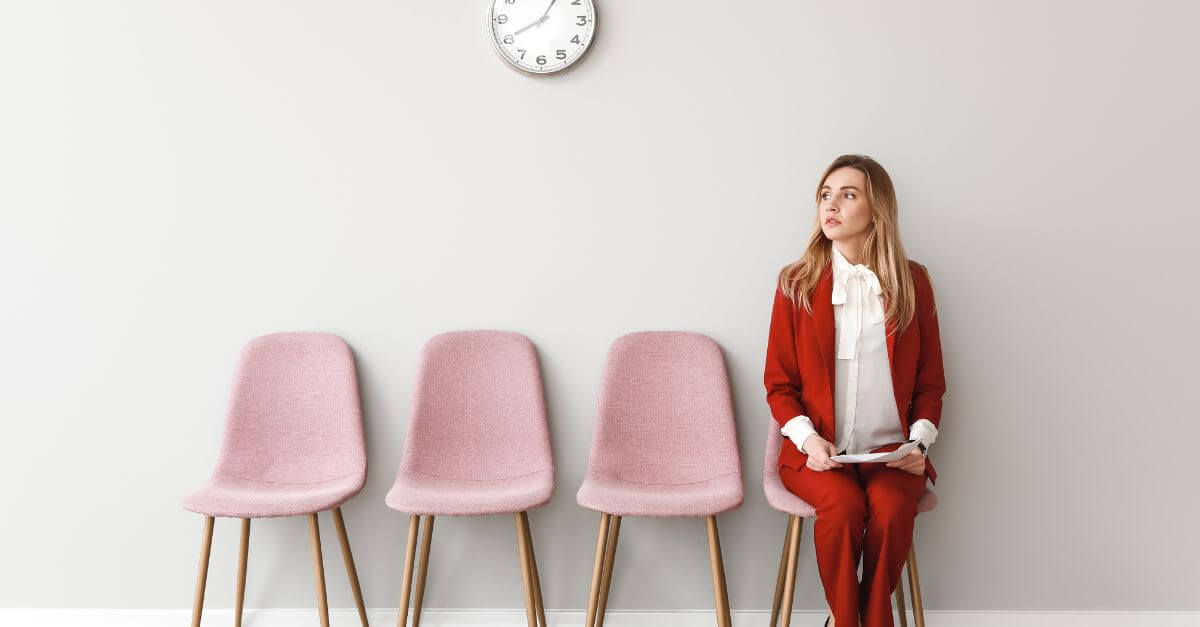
(863, 510)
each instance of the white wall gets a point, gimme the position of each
(176, 178)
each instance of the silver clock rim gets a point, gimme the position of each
(487, 23)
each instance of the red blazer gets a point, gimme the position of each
(800, 364)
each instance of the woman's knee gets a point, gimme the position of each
(847, 507)
(891, 509)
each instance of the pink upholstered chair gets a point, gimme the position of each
(477, 443)
(782, 499)
(293, 446)
(664, 444)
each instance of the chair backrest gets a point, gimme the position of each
(664, 413)
(294, 414)
(771, 458)
(478, 410)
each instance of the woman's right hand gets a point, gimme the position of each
(819, 451)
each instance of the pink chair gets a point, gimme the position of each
(477, 444)
(664, 444)
(293, 446)
(782, 499)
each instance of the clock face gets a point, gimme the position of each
(542, 36)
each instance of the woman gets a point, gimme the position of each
(854, 365)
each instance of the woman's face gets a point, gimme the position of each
(843, 210)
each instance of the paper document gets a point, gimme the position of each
(888, 456)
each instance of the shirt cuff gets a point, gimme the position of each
(924, 431)
(797, 430)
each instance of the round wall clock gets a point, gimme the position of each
(542, 37)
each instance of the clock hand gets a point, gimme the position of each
(538, 22)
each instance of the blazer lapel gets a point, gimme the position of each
(822, 304)
(891, 344)
(891, 350)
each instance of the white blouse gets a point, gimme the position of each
(865, 406)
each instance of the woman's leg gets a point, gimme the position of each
(892, 496)
(841, 506)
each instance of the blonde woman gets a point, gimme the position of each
(854, 365)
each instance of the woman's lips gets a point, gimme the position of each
(832, 222)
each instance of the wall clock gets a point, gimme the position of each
(542, 37)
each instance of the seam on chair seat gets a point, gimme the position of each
(430, 474)
(732, 472)
(233, 476)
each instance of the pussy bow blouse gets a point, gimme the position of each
(865, 406)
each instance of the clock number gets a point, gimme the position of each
(546, 60)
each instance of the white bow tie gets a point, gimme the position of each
(857, 289)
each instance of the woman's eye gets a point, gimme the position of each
(849, 195)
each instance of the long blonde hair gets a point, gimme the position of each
(883, 252)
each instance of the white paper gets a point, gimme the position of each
(887, 456)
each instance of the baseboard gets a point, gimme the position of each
(569, 618)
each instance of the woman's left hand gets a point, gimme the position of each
(914, 462)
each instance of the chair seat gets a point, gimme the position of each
(782, 499)
(927, 502)
(419, 493)
(626, 498)
(235, 497)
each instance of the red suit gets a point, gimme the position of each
(856, 499)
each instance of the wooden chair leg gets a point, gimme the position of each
(610, 554)
(419, 597)
(526, 571)
(414, 523)
(597, 572)
(899, 595)
(718, 574)
(796, 524)
(914, 587)
(348, 558)
(202, 576)
(783, 554)
(533, 572)
(314, 532)
(243, 554)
